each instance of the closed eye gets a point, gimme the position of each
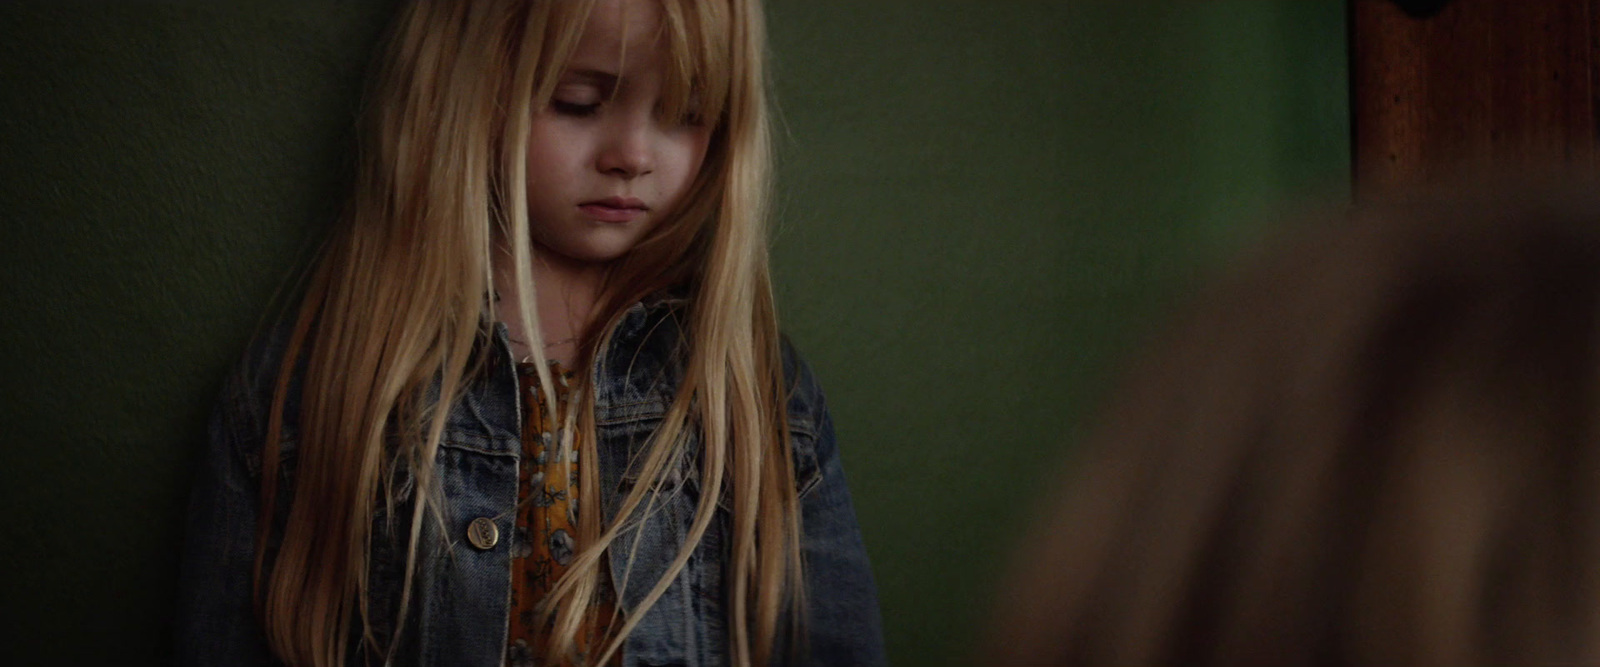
(692, 118)
(574, 109)
(580, 92)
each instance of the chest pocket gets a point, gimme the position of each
(629, 440)
(688, 624)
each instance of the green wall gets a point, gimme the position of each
(984, 207)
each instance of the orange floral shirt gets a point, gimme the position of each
(545, 538)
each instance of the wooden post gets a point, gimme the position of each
(1502, 84)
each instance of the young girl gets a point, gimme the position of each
(534, 407)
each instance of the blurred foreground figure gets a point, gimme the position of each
(1377, 446)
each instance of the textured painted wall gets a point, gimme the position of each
(984, 206)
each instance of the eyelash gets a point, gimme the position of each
(572, 109)
(576, 110)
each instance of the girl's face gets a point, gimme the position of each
(603, 166)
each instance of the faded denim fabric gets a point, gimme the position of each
(461, 595)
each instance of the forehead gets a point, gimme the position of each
(620, 33)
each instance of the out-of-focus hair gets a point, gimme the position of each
(1374, 446)
(399, 305)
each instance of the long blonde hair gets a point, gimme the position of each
(398, 307)
(1379, 447)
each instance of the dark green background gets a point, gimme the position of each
(985, 206)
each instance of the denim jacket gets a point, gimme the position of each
(461, 593)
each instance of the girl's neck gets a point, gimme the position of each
(565, 294)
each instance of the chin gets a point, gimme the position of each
(590, 255)
(601, 252)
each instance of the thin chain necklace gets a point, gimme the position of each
(547, 346)
(564, 341)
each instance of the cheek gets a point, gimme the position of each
(550, 148)
(689, 152)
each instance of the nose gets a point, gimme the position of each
(627, 152)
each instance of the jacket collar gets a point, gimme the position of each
(636, 376)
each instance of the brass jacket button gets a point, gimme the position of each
(483, 534)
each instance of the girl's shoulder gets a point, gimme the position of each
(649, 345)
(811, 435)
(806, 405)
(241, 417)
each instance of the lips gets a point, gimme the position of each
(614, 209)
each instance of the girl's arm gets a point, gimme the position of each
(216, 623)
(843, 625)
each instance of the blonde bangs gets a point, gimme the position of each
(699, 60)
(556, 27)
(695, 35)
